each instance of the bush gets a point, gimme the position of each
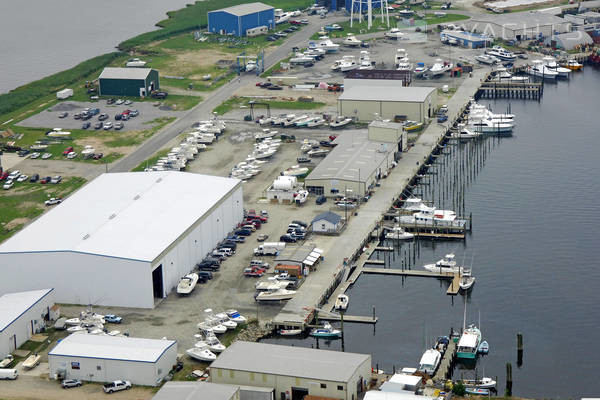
(459, 389)
(30, 92)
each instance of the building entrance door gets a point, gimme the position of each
(299, 393)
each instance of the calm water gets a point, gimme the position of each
(535, 250)
(41, 37)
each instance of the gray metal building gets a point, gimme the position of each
(293, 372)
(386, 99)
(519, 26)
(197, 391)
(353, 167)
(128, 81)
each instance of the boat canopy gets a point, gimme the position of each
(430, 358)
(468, 340)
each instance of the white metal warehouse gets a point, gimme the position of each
(22, 315)
(372, 99)
(293, 371)
(519, 26)
(103, 358)
(124, 239)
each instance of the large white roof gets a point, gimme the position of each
(112, 347)
(13, 305)
(133, 215)
(245, 9)
(365, 92)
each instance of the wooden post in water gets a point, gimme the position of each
(342, 328)
(508, 392)
(519, 349)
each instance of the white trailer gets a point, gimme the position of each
(269, 249)
(64, 94)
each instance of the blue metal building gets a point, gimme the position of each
(467, 39)
(238, 19)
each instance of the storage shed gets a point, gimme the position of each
(124, 239)
(128, 81)
(22, 315)
(383, 99)
(389, 132)
(293, 372)
(519, 26)
(569, 41)
(327, 223)
(103, 358)
(238, 20)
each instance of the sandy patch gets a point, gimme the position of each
(15, 223)
(190, 61)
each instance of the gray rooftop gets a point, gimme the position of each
(294, 254)
(195, 391)
(297, 362)
(355, 158)
(125, 73)
(328, 216)
(514, 21)
(386, 124)
(406, 94)
(245, 9)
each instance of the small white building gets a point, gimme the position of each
(519, 26)
(103, 358)
(389, 132)
(123, 239)
(293, 372)
(283, 190)
(22, 315)
(327, 223)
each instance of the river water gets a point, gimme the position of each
(533, 197)
(41, 37)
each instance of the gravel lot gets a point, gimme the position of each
(49, 117)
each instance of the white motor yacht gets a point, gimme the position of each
(501, 53)
(225, 321)
(447, 264)
(339, 122)
(401, 54)
(394, 33)
(234, 315)
(187, 283)
(328, 46)
(430, 361)
(490, 126)
(486, 59)
(397, 233)
(201, 353)
(440, 67)
(466, 133)
(275, 295)
(271, 284)
(537, 68)
(502, 75)
(351, 40)
(213, 343)
(348, 64)
(551, 63)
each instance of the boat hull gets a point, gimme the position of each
(466, 355)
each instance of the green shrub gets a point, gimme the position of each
(459, 389)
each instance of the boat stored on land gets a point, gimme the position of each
(187, 283)
(275, 295)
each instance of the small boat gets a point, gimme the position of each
(484, 348)
(551, 63)
(501, 53)
(341, 303)
(394, 33)
(235, 316)
(318, 152)
(187, 283)
(477, 391)
(32, 361)
(483, 383)
(465, 133)
(213, 343)
(448, 265)
(345, 205)
(290, 332)
(339, 122)
(327, 331)
(420, 70)
(201, 353)
(572, 64)
(397, 233)
(440, 67)
(73, 321)
(430, 361)
(466, 282)
(540, 70)
(351, 40)
(275, 295)
(301, 197)
(224, 319)
(469, 343)
(46, 156)
(486, 59)
(412, 126)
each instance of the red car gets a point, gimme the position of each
(294, 22)
(256, 217)
(45, 180)
(254, 271)
(68, 150)
(4, 175)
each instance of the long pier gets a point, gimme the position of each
(447, 363)
(300, 310)
(453, 289)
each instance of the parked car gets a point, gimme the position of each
(110, 101)
(34, 178)
(71, 155)
(63, 114)
(23, 153)
(108, 125)
(159, 95)
(4, 175)
(254, 271)
(243, 232)
(207, 266)
(85, 125)
(77, 116)
(45, 180)
(67, 150)
(116, 386)
(301, 223)
(321, 199)
(228, 245)
(102, 117)
(235, 239)
(262, 237)
(70, 383)
(127, 102)
(98, 156)
(119, 126)
(9, 184)
(113, 319)
(53, 201)
(98, 125)
(56, 179)
(205, 274)
(287, 239)
(134, 113)
(119, 102)
(275, 87)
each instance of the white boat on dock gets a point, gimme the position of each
(341, 302)
(448, 265)
(466, 282)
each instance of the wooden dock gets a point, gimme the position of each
(383, 248)
(453, 289)
(513, 90)
(446, 364)
(349, 318)
(375, 262)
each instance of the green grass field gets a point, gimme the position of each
(25, 201)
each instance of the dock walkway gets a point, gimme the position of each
(452, 289)
(300, 308)
(446, 364)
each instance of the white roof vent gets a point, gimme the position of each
(137, 196)
(112, 216)
(159, 180)
(87, 235)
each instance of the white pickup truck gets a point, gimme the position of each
(269, 249)
(116, 386)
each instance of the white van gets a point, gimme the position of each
(8, 373)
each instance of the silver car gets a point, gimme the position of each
(70, 383)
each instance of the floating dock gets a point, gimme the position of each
(453, 289)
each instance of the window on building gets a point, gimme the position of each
(98, 368)
(219, 373)
(231, 374)
(340, 387)
(323, 386)
(251, 376)
(297, 381)
(159, 371)
(323, 226)
(264, 377)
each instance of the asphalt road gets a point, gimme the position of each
(204, 109)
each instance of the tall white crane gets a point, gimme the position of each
(383, 6)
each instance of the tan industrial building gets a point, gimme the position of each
(353, 167)
(389, 132)
(294, 372)
(387, 99)
(520, 26)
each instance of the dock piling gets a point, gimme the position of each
(519, 349)
(508, 392)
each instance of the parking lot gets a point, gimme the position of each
(50, 118)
